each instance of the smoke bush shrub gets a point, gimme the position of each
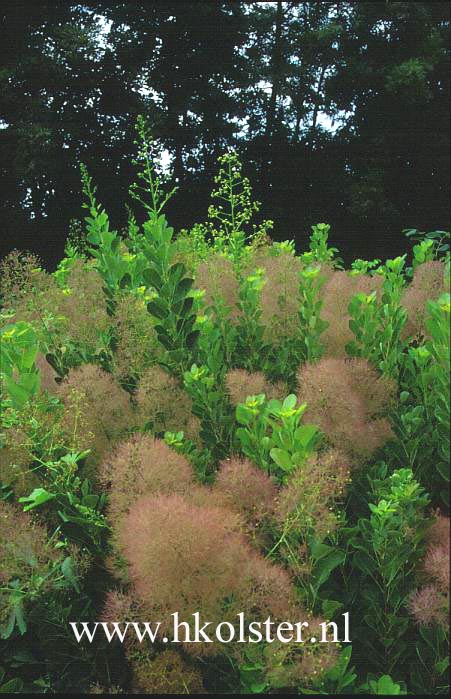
(28, 565)
(136, 342)
(217, 277)
(194, 561)
(307, 504)
(306, 666)
(384, 550)
(142, 466)
(246, 490)
(279, 295)
(16, 462)
(251, 349)
(163, 405)
(346, 399)
(430, 604)
(17, 271)
(336, 296)
(378, 323)
(166, 673)
(83, 306)
(47, 373)
(103, 402)
(428, 283)
(121, 346)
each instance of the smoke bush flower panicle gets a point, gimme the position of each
(83, 305)
(336, 296)
(17, 270)
(188, 559)
(16, 459)
(104, 410)
(343, 398)
(76, 314)
(164, 405)
(428, 283)
(123, 607)
(294, 665)
(430, 604)
(25, 555)
(137, 343)
(439, 532)
(23, 544)
(241, 383)
(47, 373)
(280, 294)
(142, 466)
(306, 504)
(40, 297)
(436, 565)
(218, 278)
(165, 673)
(247, 490)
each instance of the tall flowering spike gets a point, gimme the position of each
(94, 400)
(346, 398)
(241, 383)
(217, 277)
(142, 466)
(186, 559)
(164, 405)
(428, 283)
(336, 295)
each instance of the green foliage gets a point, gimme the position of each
(424, 416)
(382, 685)
(310, 324)
(273, 436)
(384, 549)
(113, 268)
(378, 324)
(251, 348)
(172, 302)
(73, 501)
(211, 406)
(18, 348)
(319, 250)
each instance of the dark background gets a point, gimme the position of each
(340, 112)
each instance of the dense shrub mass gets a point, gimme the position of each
(345, 398)
(215, 423)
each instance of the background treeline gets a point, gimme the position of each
(340, 111)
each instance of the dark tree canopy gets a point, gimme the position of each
(340, 112)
